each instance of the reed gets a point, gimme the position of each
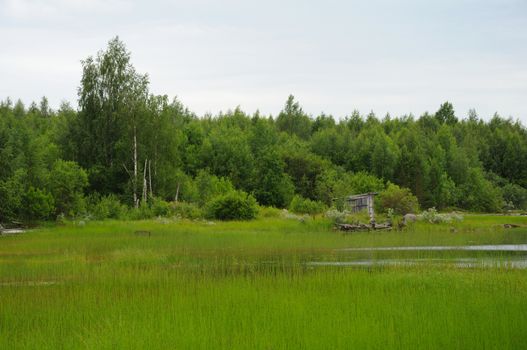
(249, 285)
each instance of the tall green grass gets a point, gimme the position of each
(247, 285)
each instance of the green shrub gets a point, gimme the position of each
(67, 183)
(107, 207)
(336, 216)
(37, 204)
(142, 212)
(235, 205)
(186, 210)
(432, 216)
(159, 207)
(210, 186)
(302, 205)
(514, 196)
(479, 194)
(270, 212)
(401, 200)
(11, 196)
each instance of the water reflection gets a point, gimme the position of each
(465, 262)
(512, 256)
(482, 248)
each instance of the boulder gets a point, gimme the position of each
(409, 218)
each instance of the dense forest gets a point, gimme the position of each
(125, 149)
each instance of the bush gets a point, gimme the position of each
(142, 212)
(270, 212)
(235, 205)
(336, 216)
(38, 204)
(432, 216)
(479, 194)
(515, 196)
(302, 205)
(67, 183)
(210, 186)
(401, 200)
(108, 207)
(186, 210)
(159, 207)
(11, 196)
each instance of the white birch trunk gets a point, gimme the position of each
(145, 189)
(136, 201)
(150, 178)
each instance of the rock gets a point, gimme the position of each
(409, 218)
(511, 226)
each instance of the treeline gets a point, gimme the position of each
(127, 148)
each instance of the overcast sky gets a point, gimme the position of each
(404, 56)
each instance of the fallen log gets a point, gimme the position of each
(363, 227)
(513, 225)
(11, 231)
(350, 227)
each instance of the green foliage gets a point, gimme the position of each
(67, 183)
(363, 182)
(209, 186)
(143, 212)
(293, 120)
(515, 196)
(227, 153)
(235, 205)
(186, 210)
(106, 207)
(305, 170)
(432, 216)
(128, 140)
(273, 187)
(401, 200)
(446, 114)
(479, 194)
(37, 204)
(270, 212)
(11, 197)
(160, 207)
(302, 205)
(336, 216)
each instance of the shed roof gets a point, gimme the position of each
(363, 195)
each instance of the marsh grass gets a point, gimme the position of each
(247, 285)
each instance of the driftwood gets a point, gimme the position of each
(350, 227)
(15, 229)
(513, 225)
(10, 231)
(383, 227)
(363, 227)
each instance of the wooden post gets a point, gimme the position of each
(371, 210)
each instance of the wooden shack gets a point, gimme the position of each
(360, 202)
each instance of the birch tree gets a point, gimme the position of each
(112, 101)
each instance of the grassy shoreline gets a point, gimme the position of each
(245, 285)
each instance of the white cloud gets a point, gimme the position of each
(28, 10)
(334, 56)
